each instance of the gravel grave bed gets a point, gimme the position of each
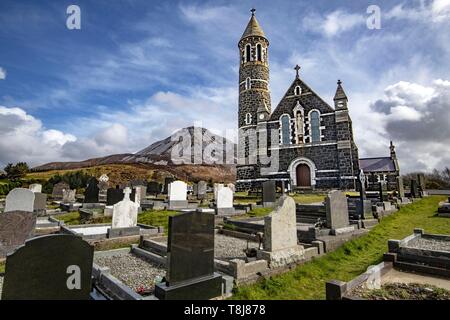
(430, 244)
(227, 248)
(403, 291)
(133, 271)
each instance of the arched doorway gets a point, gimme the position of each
(303, 175)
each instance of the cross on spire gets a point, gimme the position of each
(253, 11)
(297, 68)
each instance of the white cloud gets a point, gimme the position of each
(2, 74)
(436, 11)
(333, 23)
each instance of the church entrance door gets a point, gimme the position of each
(303, 176)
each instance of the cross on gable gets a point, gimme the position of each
(297, 68)
(253, 11)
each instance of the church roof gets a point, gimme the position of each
(340, 93)
(382, 164)
(253, 29)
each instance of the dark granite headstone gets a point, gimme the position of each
(269, 193)
(113, 196)
(154, 188)
(52, 267)
(40, 202)
(15, 228)
(57, 192)
(91, 192)
(414, 189)
(167, 181)
(190, 258)
(380, 191)
(400, 187)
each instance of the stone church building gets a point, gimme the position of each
(314, 140)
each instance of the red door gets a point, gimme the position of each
(303, 176)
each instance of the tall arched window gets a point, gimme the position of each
(248, 50)
(297, 90)
(285, 129)
(259, 52)
(248, 118)
(248, 83)
(315, 126)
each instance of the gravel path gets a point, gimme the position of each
(430, 244)
(227, 248)
(132, 270)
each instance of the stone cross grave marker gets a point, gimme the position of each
(125, 212)
(269, 193)
(15, 228)
(20, 199)
(52, 267)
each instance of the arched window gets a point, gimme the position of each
(285, 129)
(247, 53)
(297, 90)
(248, 83)
(315, 126)
(259, 52)
(248, 118)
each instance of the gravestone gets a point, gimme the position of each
(113, 196)
(69, 195)
(421, 184)
(201, 190)
(20, 199)
(154, 188)
(125, 212)
(217, 186)
(15, 228)
(380, 191)
(177, 195)
(58, 188)
(140, 193)
(232, 187)
(269, 193)
(400, 187)
(414, 189)
(35, 187)
(224, 203)
(190, 259)
(52, 267)
(337, 212)
(280, 235)
(167, 182)
(103, 183)
(40, 202)
(360, 208)
(91, 192)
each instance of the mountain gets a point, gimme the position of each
(174, 154)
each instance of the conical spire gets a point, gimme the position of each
(340, 94)
(253, 28)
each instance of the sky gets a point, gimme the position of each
(137, 71)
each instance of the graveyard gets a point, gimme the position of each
(168, 160)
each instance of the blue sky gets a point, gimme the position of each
(138, 70)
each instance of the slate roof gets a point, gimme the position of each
(383, 164)
(253, 29)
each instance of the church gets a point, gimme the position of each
(313, 140)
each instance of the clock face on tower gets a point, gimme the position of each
(261, 116)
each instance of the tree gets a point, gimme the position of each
(17, 171)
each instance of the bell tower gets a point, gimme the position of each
(254, 97)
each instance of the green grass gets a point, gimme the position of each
(157, 218)
(308, 198)
(2, 267)
(259, 212)
(308, 281)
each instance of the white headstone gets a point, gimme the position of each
(20, 199)
(177, 191)
(217, 186)
(125, 212)
(103, 178)
(225, 198)
(35, 187)
(68, 195)
(232, 187)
